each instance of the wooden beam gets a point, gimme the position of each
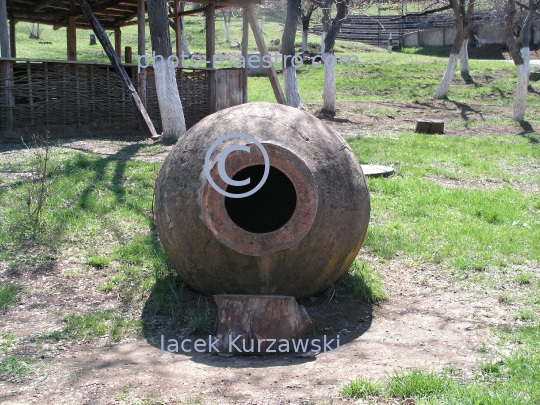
(4, 32)
(13, 37)
(41, 4)
(118, 42)
(72, 39)
(274, 81)
(177, 28)
(144, 119)
(141, 47)
(245, 41)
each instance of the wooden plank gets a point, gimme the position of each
(118, 42)
(72, 39)
(278, 92)
(144, 119)
(245, 42)
(4, 33)
(13, 38)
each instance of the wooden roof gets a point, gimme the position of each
(110, 13)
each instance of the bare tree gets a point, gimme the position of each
(463, 10)
(170, 106)
(307, 8)
(292, 93)
(330, 61)
(520, 60)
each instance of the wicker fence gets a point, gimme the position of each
(51, 94)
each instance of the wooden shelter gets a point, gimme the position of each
(45, 93)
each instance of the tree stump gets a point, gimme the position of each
(424, 126)
(259, 324)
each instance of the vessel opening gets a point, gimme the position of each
(269, 208)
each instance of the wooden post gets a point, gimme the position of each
(278, 92)
(7, 66)
(118, 42)
(177, 28)
(72, 38)
(210, 52)
(210, 34)
(4, 33)
(128, 54)
(13, 37)
(115, 61)
(245, 41)
(141, 47)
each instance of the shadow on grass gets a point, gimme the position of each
(467, 111)
(527, 132)
(344, 309)
(33, 247)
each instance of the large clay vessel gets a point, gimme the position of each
(295, 236)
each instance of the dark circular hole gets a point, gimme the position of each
(269, 208)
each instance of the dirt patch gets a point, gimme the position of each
(428, 322)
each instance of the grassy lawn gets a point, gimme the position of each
(468, 203)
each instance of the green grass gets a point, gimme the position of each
(512, 380)
(464, 227)
(7, 296)
(99, 262)
(363, 284)
(96, 324)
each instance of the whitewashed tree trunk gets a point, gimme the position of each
(464, 57)
(304, 41)
(184, 44)
(170, 106)
(520, 101)
(228, 31)
(323, 36)
(526, 55)
(444, 86)
(262, 24)
(329, 91)
(291, 87)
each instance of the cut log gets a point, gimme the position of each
(249, 323)
(429, 126)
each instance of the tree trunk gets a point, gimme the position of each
(329, 91)
(464, 57)
(227, 19)
(520, 101)
(305, 41)
(526, 36)
(307, 11)
(462, 25)
(249, 323)
(292, 93)
(262, 23)
(184, 46)
(327, 11)
(170, 106)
